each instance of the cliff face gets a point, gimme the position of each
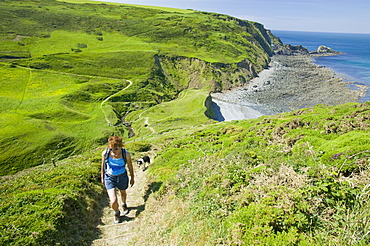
(191, 72)
(186, 72)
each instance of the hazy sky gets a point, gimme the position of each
(346, 16)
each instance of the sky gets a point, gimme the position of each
(340, 16)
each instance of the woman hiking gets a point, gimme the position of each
(114, 174)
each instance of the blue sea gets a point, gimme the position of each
(354, 65)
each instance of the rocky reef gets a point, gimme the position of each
(289, 50)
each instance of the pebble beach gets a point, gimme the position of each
(289, 83)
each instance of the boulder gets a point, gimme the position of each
(323, 49)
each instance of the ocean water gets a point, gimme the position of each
(354, 65)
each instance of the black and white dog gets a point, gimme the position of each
(145, 161)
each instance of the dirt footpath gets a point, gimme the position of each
(121, 234)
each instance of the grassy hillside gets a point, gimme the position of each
(60, 60)
(49, 115)
(52, 205)
(73, 71)
(299, 178)
(47, 204)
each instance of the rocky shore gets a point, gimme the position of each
(290, 83)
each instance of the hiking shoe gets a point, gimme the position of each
(117, 216)
(125, 209)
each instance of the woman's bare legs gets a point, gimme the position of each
(124, 205)
(123, 196)
(113, 199)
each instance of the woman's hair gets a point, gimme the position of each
(115, 142)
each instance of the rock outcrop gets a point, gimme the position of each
(323, 50)
(290, 50)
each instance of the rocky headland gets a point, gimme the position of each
(292, 81)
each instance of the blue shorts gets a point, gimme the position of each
(120, 181)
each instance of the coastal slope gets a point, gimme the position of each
(77, 57)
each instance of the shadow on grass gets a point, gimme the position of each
(80, 226)
(98, 214)
(153, 187)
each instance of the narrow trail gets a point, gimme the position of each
(117, 234)
(81, 75)
(146, 122)
(106, 99)
(25, 89)
(146, 119)
(121, 234)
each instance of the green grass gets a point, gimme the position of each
(283, 178)
(36, 119)
(135, 5)
(61, 59)
(212, 37)
(185, 112)
(297, 178)
(62, 41)
(52, 205)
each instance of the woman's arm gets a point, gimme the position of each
(130, 168)
(102, 167)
